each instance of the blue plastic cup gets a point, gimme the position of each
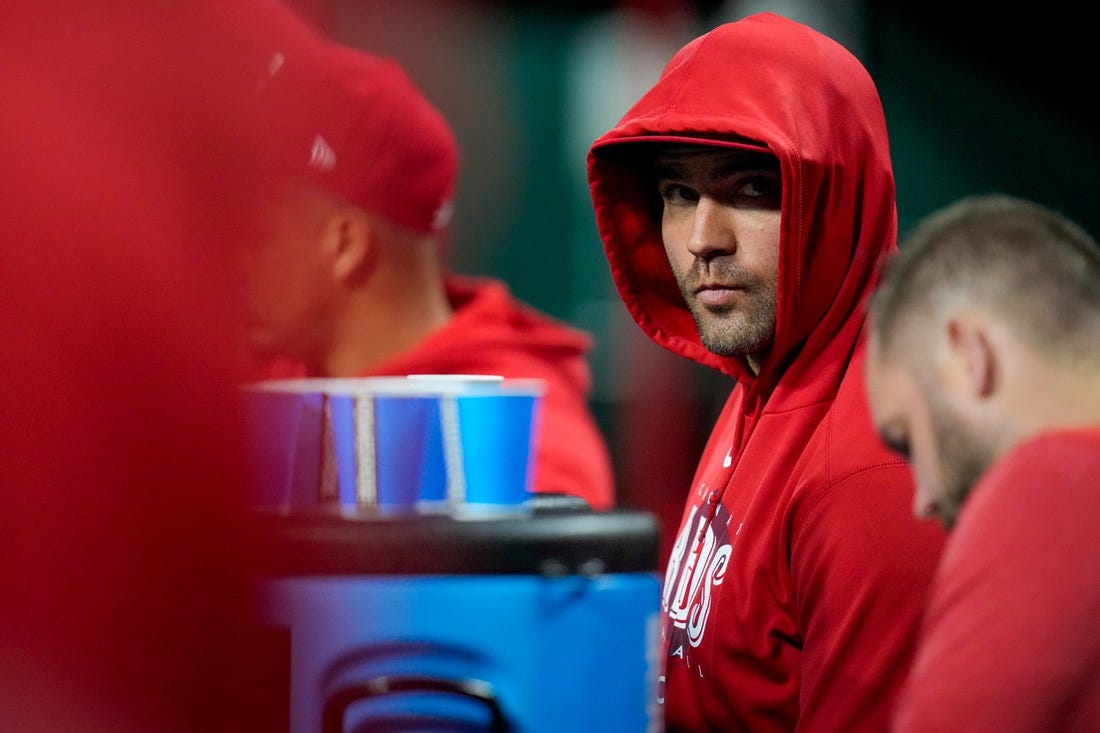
(481, 441)
(497, 435)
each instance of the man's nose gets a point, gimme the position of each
(710, 233)
(925, 505)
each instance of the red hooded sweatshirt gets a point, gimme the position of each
(799, 574)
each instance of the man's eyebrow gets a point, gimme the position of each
(894, 436)
(674, 166)
(668, 168)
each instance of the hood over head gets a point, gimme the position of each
(762, 83)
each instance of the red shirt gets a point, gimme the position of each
(1010, 642)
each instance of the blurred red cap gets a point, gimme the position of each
(363, 130)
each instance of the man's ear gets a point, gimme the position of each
(973, 354)
(346, 241)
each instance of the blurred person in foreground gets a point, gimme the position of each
(348, 275)
(131, 147)
(984, 371)
(745, 202)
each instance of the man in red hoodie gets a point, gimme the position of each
(745, 202)
(348, 277)
(983, 368)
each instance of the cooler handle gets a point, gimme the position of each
(339, 701)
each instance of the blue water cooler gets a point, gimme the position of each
(544, 623)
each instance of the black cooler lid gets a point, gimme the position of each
(549, 541)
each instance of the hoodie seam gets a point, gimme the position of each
(675, 96)
(831, 484)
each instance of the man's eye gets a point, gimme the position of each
(759, 187)
(675, 193)
(899, 444)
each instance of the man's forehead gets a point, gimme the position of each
(679, 153)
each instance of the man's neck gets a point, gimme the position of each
(378, 328)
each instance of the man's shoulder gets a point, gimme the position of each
(845, 443)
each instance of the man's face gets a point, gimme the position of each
(720, 224)
(921, 420)
(287, 282)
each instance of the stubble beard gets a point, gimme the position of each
(964, 457)
(736, 331)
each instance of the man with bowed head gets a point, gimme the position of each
(745, 203)
(348, 275)
(984, 370)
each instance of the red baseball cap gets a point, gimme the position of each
(360, 128)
